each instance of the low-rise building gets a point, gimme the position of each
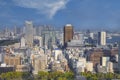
(12, 60)
(6, 68)
(23, 68)
(89, 66)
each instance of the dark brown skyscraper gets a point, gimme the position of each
(68, 33)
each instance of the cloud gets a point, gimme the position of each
(47, 7)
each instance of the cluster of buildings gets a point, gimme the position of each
(46, 49)
(37, 50)
(90, 52)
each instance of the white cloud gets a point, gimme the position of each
(47, 7)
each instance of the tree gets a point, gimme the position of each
(43, 75)
(61, 78)
(55, 75)
(69, 75)
(3, 76)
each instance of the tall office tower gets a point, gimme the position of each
(38, 30)
(34, 31)
(104, 61)
(49, 36)
(22, 42)
(18, 30)
(92, 35)
(102, 38)
(68, 33)
(29, 33)
(15, 30)
(119, 58)
(1, 58)
(6, 32)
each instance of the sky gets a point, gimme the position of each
(82, 14)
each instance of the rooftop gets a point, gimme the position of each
(68, 25)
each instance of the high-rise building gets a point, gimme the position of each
(104, 61)
(92, 35)
(38, 30)
(22, 42)
(119, 58)
(49, 36)
(39, 62)
(1, 58)
(68, 33)
(102, 38)
(29, 33)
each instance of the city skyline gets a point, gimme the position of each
(83, 14)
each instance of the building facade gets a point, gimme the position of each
(29, 33)
(68, 33)
(12, 60)
(102, 38)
